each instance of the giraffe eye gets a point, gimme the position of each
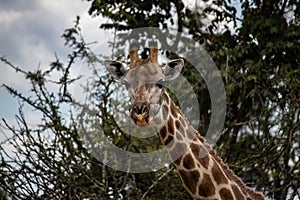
(159, 83)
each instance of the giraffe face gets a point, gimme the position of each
(144, 84)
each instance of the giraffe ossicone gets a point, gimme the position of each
(202, 172)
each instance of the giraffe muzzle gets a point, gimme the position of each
(140, 114)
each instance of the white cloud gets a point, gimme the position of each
(9, 17)
(30, 35)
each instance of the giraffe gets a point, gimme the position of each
(203, 174)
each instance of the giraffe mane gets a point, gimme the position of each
(229, 173)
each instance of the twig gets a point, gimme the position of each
(155, 183)
(18, 69)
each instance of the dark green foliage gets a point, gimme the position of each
(260, 67)
(263, 97)
(131, 14)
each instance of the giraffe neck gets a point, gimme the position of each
(202, 172)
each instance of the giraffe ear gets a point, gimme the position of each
(115, 68)
(172, 69)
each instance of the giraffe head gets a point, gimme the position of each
(144, 81)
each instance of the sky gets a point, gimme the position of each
(30, 36)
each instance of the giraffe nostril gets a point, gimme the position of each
(144, 109)
(140, 108)
(140, 114)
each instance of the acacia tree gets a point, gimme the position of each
(46, 159)
(51, 158)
